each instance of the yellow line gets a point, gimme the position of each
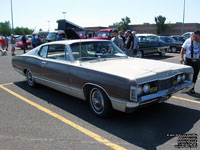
(185, 99)
(68, 122)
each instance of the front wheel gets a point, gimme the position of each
(99, 103)
(29, 77)
(162, 53)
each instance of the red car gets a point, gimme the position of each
(28, 43)
(105, 34)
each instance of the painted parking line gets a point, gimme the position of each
(66, 121)
(6, 84)
(186, 99)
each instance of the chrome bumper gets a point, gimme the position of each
(160, 96)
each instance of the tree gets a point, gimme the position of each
(123, 24)
(5, 28)
(22, 30)
(161, 27)
(40, 29)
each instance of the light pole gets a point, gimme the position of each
(183, 18)
(49, 25)
(64, 14)
(12, 15)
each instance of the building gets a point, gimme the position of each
(175, 29)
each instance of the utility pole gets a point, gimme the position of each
(12, 16)
(183, 18)
(49, 25)
(64, 14)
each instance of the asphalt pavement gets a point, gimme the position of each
(45, 119)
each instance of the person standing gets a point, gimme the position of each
(192, 49)
(117, 40)
(13, 42)
(34, 41)
(7, 42)
(122, 36)
(24, 42)
(129, 44)
(3, 43)
(135, 43)
(58, 37)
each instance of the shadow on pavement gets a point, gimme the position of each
(146, 128)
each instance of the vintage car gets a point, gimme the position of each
(150, 44)
(104, 34)
(98, 71)
(174, 45)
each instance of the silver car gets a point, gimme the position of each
(98, 71)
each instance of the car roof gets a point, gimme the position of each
(68, 42)
(145, 34)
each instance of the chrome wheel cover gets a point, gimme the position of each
(97, 101)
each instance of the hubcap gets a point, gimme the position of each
(139, 54)
(97, 101)
(29, 78)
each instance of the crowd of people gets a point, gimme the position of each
(128, 42)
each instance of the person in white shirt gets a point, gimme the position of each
(191, 47)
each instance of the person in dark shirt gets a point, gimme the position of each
(129, 44)
(24, 42)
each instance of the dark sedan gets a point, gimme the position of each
(174, 45)
(149, 44)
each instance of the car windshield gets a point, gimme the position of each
(95, 50)
(103, 34)
(51, 35)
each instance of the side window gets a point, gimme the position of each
(56, 52)
(43, 51)
(154, 38)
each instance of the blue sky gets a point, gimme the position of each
(35, 14)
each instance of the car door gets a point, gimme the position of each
(153, 44)
(55, 65)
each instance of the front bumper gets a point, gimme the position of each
(160, 96)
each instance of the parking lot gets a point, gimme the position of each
(45, 119)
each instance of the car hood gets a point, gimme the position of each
(140, 70)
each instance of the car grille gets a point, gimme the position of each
(165, 84)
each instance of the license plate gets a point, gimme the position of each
(153, 89)
(175, 82)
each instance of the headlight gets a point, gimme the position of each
(146, 88)
(179, 79)
(183, 77)
(139, 90)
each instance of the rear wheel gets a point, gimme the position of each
(139, 54)
(99, 102)
(29, 77)
(174, 49)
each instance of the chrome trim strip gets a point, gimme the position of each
(19, 71)
(70, 90)
(58, 83)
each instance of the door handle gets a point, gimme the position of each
(44, 63)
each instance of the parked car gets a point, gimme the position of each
(105, 34)
(98, 71)
(179, 38)
(188, 34)
(53, 35)
(149, 44)
(174, 45)
(28, 42)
